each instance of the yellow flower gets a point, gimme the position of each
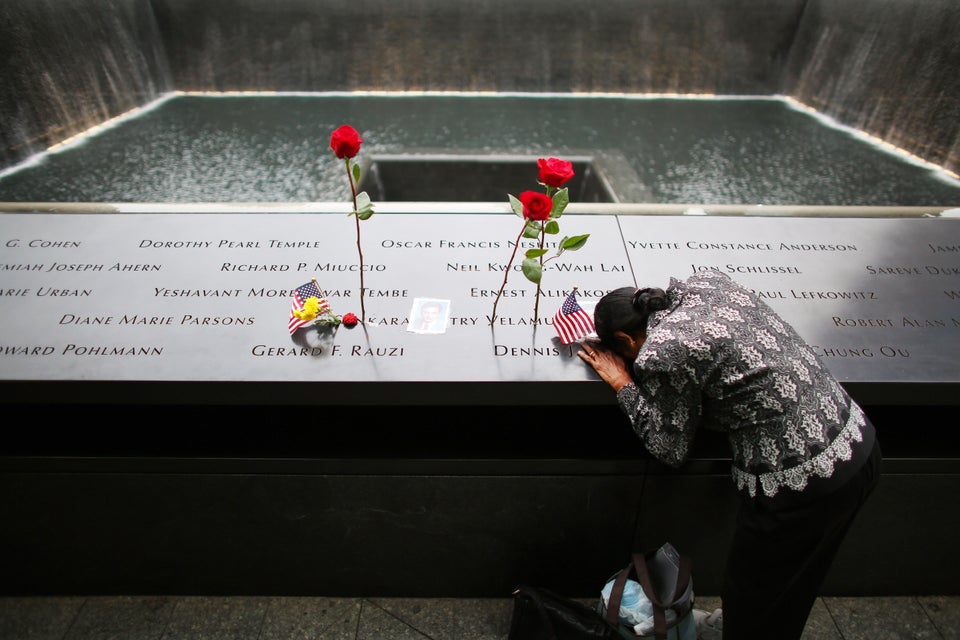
(311, 308)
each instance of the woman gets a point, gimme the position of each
(708, 353)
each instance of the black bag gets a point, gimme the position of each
(540, 614)
(664, 576)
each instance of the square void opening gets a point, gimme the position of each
(471, 179)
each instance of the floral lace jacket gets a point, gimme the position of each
(721, 358)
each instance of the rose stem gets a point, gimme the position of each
(506, 272)
(353, 191)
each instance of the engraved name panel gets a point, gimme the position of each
(206, 296)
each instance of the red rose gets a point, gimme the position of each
(536, 205)
(349, 320)
(554, 172)
(345, 142)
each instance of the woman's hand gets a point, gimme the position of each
(611, 367)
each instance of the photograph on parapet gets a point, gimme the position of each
(429, 315)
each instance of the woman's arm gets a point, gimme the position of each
(665, 415)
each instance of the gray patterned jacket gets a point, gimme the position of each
(720, 357)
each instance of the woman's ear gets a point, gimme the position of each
(629, 345)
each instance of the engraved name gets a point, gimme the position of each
(442, 244)
(288, 293)
(262, 350)
(46, 292)
(175, 244)
(238, 244)
(136, 319)
(110, 350)
(477, 292)
(502, 350)
(23, 350)
(944, 248)
(860, 352)
(861, 322)
(231, 266)
(926, 323)
(912, 270)
(697, 245)
(329, 266)
(45, 244)
(60, 266)
(742, 268)
(833, 295)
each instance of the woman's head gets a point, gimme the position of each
(621, 316)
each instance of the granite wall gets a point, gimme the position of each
(723, 46)
(882, 65)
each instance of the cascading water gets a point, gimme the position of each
(69, 66)
(886, 68)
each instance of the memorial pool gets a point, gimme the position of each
(249, 465)
(274, 148)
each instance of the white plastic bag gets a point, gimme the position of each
(636, 610)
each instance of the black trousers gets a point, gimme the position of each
(780, 557)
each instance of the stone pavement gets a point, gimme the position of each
(134, 617)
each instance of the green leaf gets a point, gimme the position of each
(516, 205)
(535, 253)
(532, 270)
(356, 173)
(552, 227)
(364, 206)
(573, 243)
(560, 201)
(532, 229)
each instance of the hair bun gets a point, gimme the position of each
(650, 299)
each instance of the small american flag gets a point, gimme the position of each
(572, 322)
(304, 291)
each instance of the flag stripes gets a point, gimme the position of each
(300, 296)
(572, 321)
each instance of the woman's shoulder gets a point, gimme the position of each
(715, 283)
(710, 278)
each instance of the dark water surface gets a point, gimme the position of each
(263, 148)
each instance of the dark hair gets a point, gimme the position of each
(626, 309)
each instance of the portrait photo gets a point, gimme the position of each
(429, 315)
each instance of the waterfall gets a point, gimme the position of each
(68, 66)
